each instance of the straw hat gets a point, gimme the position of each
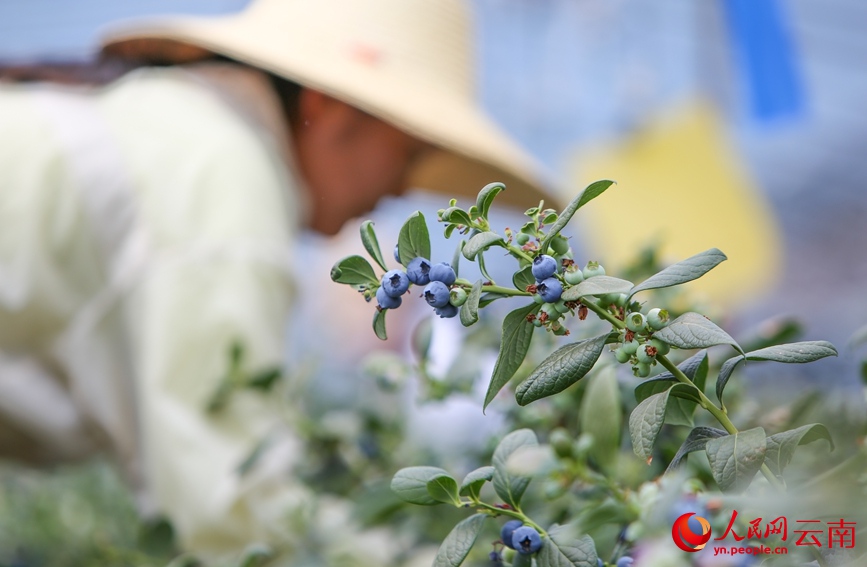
(408, 62)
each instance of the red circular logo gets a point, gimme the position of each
(686, 538)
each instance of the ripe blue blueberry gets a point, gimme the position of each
(625, 561)
(386, 301)
(550, 290)
(395, 283)
(442, 272)
(526, 540)
(544, 267)
(507, 531)
(436, 294)
(418, 271)
(447, 311)
(599, 563)
(396, 254)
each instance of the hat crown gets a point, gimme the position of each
(425, 40)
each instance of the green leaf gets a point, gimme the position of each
(680, 410)
(564, 548)
(693, 330)
(514, 344)
(695, 441)
(413, 240)
(647, 418)
(353, 270)
(601, 415)
(486, 197)
(456, 257)
(794, 353)
(684, 271)
(511, 487)
(735, 459)
(444, 488)
(410, 484)
(561, 369)
(379, 324)
(371, 244)
(470, 309)
(588, 194)
(460, 540)
(781, 446)
(523, 278)
(472, 483)
(265, 379)
(479, 243)
(480, 260)
(596, 285)
(725, 373)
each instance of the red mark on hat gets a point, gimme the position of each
(365, 54)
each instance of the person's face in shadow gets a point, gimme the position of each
(349, 159)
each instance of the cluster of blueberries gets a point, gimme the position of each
(526, 540)
(437, 280)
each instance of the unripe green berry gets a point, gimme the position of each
(593, 269)
(559, 245)
(661, 347)
(622, 356)
(457, 296)
(611, 299)
(560, 306)
(551, 310)
(657, 318)
(641, 354)
(573, 275)
(629, 347)
(561, 442)
(636, 322)
(538, 298)
(537, 322)
(642, 370)
(558, 329)
(522, 238)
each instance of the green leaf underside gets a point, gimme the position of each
(413, 240)
(444, 489)
(647, 418)
(790, 353)
(679, 410)
(457, 216)
(379, 324)
(588, 194)
(601, 415)
(472, 483)
(486, 197)
(781, 446)
(371, 244)
(523, 278)
(561, 369)
(480, 242)
(353, 270)
(684, 271)
(460, 540)
(470, 309)
(695, 441)
(693, 330)
(514, 344)
(596, 285)
(563, 548)
(508, 486)
(735, 459)
(410, 484)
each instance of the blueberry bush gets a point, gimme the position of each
(595, 507)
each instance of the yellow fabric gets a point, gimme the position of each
(144, 228)
(681, 184)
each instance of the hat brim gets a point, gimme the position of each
(473, 150)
